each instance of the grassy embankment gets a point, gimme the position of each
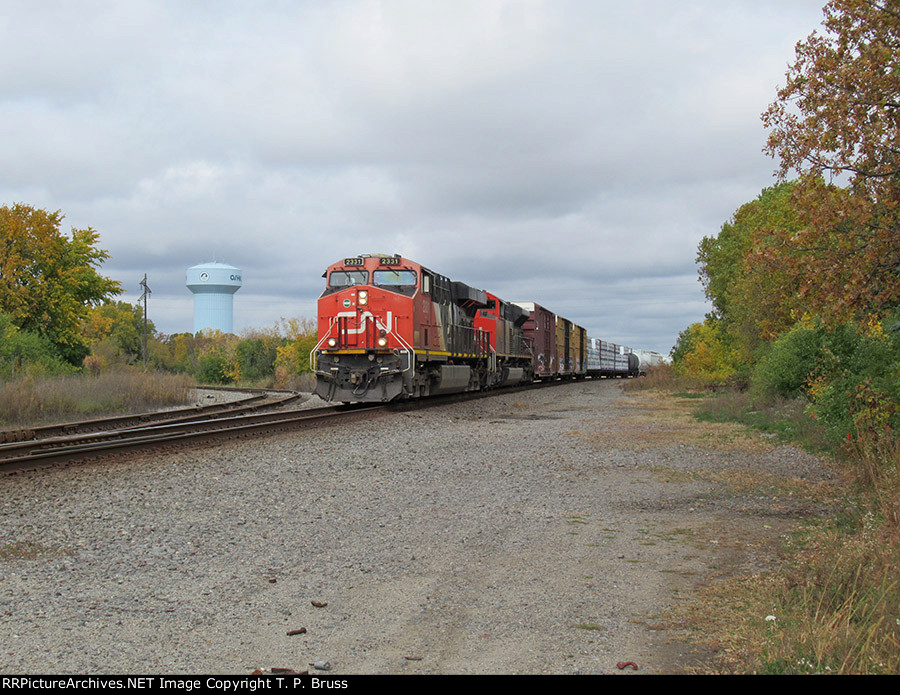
(31, 401)
(833, 605)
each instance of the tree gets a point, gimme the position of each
(256, 354)
(704, 352)
(116, 328)
(837, 123)
(47, 280)
(754, 299)
(293, 357)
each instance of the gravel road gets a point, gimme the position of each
(535, 532)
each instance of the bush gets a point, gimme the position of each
(23, 353)
(786, 368)
(214, 368)
(850, 375)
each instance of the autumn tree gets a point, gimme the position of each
(293, 356)
(755, 301)
(705, 351)
(48, 281)
(115, 330)
(837, 124)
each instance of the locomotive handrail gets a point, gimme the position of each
(389, 330)
(314, 363)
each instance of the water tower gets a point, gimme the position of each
(213, 286)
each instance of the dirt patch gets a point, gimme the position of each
(655, 420)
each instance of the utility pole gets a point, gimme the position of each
(145, 297)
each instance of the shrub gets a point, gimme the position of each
(850, 375)
(25, 353)
(214, 368)
(786, 368)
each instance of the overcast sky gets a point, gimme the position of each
(571, 153)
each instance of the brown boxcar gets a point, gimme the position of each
(540, 329)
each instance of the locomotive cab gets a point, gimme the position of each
(364, 348)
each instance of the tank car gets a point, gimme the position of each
(648, 359)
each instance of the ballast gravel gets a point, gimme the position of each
(491, 536)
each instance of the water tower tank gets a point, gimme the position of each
(213, 286)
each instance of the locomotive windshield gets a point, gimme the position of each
(387, 278)
(345, 278)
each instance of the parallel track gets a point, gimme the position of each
(260, 398)
(22, 455)
(210, 425)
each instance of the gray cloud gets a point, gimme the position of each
(573, 153)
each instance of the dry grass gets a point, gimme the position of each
(305, 382)
(832, 607)
(879, 471)
(833, 603)
(738, 481)
(663, 419)
(32, 401)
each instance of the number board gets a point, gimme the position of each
(353, 261)
(390, 260)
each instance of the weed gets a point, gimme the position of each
(833, 606)
(36, 400)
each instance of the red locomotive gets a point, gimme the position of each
(390, 328)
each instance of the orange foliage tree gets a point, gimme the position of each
(837, 124)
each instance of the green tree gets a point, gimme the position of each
(838, 120)
(117, 328)
(756, 300)
(256, 354)
(47, 280)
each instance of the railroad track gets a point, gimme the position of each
(187, 427)
(258, 398)
(22, 455)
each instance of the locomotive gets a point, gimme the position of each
(390, 328)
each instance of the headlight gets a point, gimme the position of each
(362, 298)
(382, 342)
(332, 342)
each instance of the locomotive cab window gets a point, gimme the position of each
(346, 278)
(394, 278)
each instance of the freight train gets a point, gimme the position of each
(390, 328)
